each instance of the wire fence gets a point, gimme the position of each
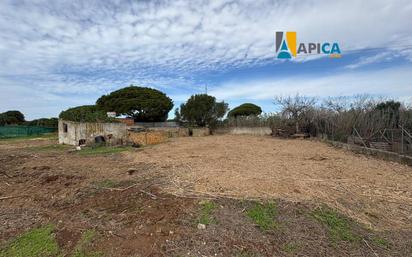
(23, 131)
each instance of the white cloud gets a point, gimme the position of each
(185, 35)
(69, 47)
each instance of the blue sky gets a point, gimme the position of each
(59, 54)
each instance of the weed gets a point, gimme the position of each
(382, 242)
(338, 226)
(81, 247)
(264, 215)
(103, 150)
(38, 242)
(206, 212)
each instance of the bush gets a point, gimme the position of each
(85, 113)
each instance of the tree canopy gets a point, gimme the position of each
(140, 103)
(85, 113)
(11, 118)
(202, 110)
(245, 109)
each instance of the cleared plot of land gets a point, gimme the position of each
(149, 201)
(374, 192)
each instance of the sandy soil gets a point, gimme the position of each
(374, 192)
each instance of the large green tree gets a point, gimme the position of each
(140, 103)
(11, 118)
(245, 109)
(202, 110)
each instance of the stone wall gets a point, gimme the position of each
(147, 137)
(173, 132)
(200, 132)
(254, 131)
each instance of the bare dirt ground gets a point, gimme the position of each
(147, 202)
(374, 192)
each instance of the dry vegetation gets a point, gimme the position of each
(314, 200)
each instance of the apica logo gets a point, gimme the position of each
(287, 47)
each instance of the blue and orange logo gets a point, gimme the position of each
(287, 46)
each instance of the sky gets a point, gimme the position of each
(59, 54)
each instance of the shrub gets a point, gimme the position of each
(85, 113)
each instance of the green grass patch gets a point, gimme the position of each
(381, 242)
(50, 148)
(206, 212)
(81, 249)
(31, 137)
(107, 183)
(290, 247)
(264, 215)
(38, 242)
(338, 226)
(103, 150)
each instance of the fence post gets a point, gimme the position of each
(402, 140)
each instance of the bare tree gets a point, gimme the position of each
(337, 104)
(295, 107)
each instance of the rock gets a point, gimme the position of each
(201, 226)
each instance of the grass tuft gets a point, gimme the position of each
(264, 215)
(206, 212)
(381, 242)
(38, 242)
(81, 247)
(338, 226)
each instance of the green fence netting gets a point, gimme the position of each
(21, 131)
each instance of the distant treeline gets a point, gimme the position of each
(17, 118)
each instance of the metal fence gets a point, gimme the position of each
(22, 131)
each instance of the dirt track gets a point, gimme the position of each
(374, 192)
